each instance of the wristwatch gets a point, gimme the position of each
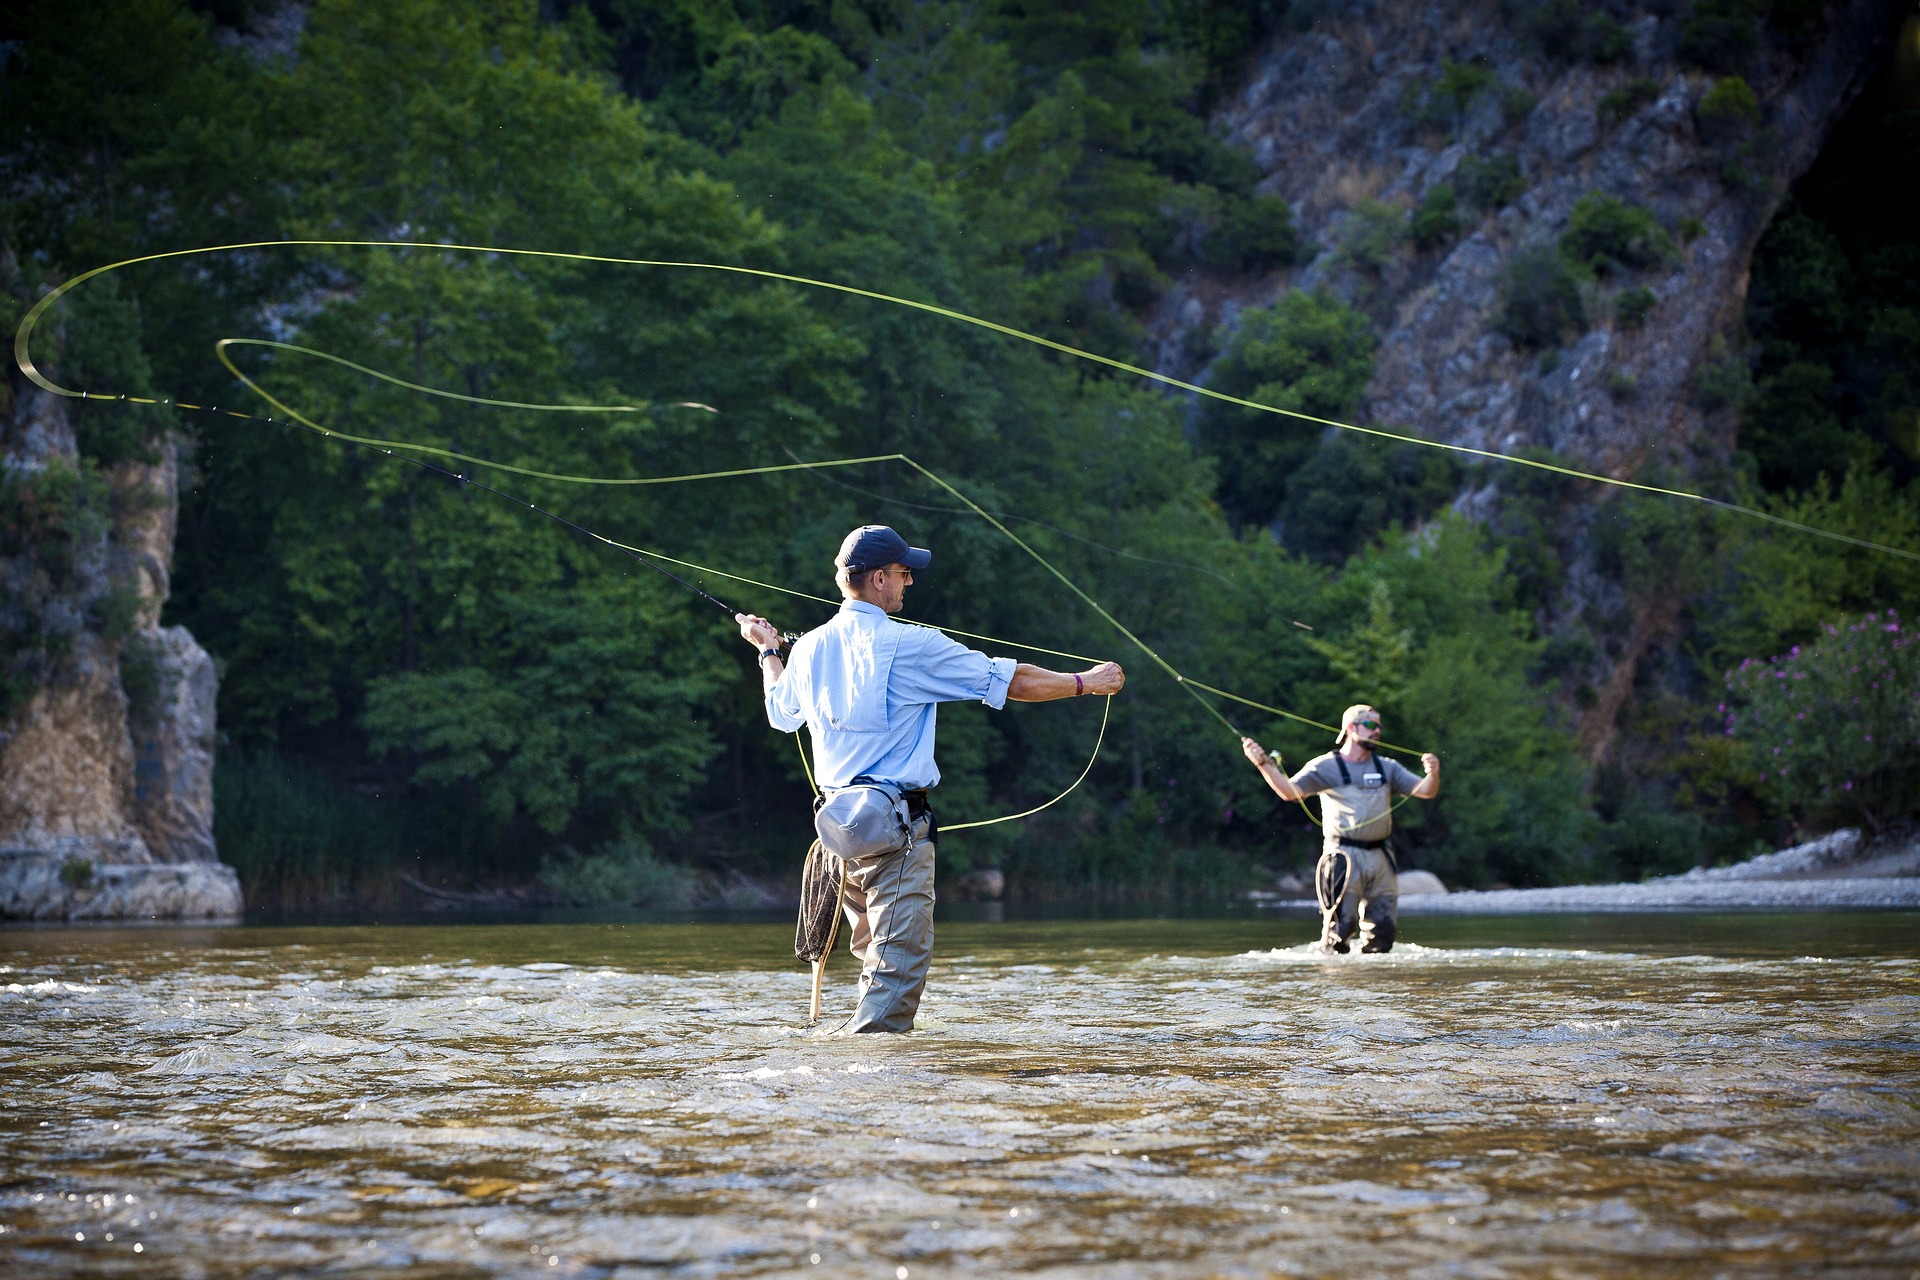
(767, 653)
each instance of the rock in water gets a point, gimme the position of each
(1417, 882)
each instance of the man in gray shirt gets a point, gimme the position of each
(1355, 881)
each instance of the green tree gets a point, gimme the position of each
(1833, 727)
(1309, 353)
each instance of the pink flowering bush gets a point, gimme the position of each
(1833, 727)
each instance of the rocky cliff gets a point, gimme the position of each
(106, 747)
(1358, 122)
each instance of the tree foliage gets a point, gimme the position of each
(418, 676)
(1309, 353)
(1833, 727)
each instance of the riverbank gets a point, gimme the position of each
(1837, 871)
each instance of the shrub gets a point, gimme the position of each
(1631, 306)
(1691, 229)
(1560, 28)
(1372, 232)
(1254, 234)
(1719, 34)
(143, 678)
(1445, 102)
(1723, 382)
(1515, 103)
(623, 874)
(1629, 98)
(1492, 183)
(52, 526)
(76, 873)
(1604, 39)
(1539, 298)
(1453, 91)
(1603, 233)
(1728, 111)
(1621, 385)
(1834, 725)
(1437, 220)
(1728, 116)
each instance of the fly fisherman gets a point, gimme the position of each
(867, 689)
(1355, 881)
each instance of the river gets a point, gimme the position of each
(1734, 1095)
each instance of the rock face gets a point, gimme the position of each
(1341, 120)
(1333, 119)
(106, 802)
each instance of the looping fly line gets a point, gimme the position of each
(554, 255)
(22, 357)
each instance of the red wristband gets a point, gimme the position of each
(1078, 687)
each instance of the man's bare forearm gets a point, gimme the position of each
(1037, 684)
(1430, 785)
(1277, 778)
(1270, 770)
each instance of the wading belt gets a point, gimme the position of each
(918, 808)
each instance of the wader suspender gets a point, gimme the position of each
(1386, 781)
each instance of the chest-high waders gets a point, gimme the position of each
(1357, 884)
(886, 891)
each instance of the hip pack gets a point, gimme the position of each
(863, 820)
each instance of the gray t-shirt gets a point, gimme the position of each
(1357, 806)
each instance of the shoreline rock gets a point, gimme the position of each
(37, 885)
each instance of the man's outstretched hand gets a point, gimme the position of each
(757, 631)
(1107, 678)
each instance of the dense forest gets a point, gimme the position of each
(419, 677)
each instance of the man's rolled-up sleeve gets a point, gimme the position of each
(933, 667)
(783, 704)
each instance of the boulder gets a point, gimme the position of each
(1419, 882)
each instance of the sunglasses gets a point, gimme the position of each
(1366, 724)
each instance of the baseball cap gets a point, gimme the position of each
(875, 546)
(1347, 717)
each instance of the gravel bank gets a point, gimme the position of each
(1673, 894)
(1835, 871)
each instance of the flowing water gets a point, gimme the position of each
(1735, 1095)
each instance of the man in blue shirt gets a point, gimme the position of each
(867, 688)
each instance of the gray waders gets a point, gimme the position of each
(889, 906)
(1358, 888)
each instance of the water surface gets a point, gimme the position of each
(1650, 1096)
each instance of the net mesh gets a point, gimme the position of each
(822, 883)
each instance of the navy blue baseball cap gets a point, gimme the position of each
(875, 546)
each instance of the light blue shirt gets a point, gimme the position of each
(867, 688)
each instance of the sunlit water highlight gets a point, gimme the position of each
(1143, 1098)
